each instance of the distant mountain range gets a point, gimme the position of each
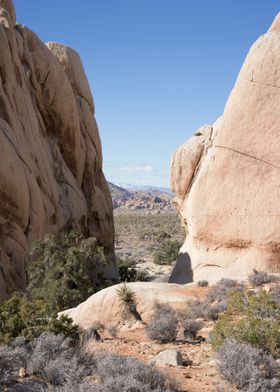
(143, 187)
(140, 197)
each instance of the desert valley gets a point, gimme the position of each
(112, 288)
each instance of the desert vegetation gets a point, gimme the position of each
(163, 326)
(247, 340)
(59, 277)
(146, 244)
(64, 270)
(57, 363)
(245, 325)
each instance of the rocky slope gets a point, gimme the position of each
(150, 200)
(51, 177)
(226, 177)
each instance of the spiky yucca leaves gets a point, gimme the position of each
(127, 300)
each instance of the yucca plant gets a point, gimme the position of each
(127, 300)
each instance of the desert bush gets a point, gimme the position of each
(204, 310)
(62, 365)
(12, 358)
(244, 365)
(163, 326)
(63, 271)
(112, 330)
(203, 283)
(59, 360)
(54, 359)
(275, 295)
(221, 290)
(122, 373)
(215, 301)
(127, 271)
(259, 278)
(251, 318)
(154, 235)
(143, 276)
(167, 252)
(264, 385)
(191, 327)
(21, 316)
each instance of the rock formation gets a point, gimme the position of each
(51, 177)
(226, 177)
(149, 200)
(104, 307)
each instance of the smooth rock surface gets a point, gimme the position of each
(226, 178)
(104, 306)
(51, 177)
(168, 358)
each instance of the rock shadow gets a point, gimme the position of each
(182, 272)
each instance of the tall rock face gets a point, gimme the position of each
(226, 178)
(51, 177)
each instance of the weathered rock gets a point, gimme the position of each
(51, 176)
(168, 357)
(104, 306)
(226, 178)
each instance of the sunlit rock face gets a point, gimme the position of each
(226, 178)
(51, 177)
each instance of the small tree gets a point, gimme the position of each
(167, 252)
(63, 271)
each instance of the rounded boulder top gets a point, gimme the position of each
(275, 24)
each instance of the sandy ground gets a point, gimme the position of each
(199, 372)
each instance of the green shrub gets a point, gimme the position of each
(127, 271)
(250, 318)
(21, 316)
(63, 273)
(167, 252)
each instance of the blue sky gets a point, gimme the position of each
(158, 69)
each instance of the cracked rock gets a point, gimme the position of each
(226, 181)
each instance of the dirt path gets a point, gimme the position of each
(199, 376)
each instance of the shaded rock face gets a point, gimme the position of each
(226, 177)
(51, 177)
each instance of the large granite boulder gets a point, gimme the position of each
(226, 178)
(51, 177)
(105, 306)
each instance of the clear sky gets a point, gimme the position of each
(158, 69)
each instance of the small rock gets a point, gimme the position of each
(213, 362)
(22, 373)
(169, 357)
